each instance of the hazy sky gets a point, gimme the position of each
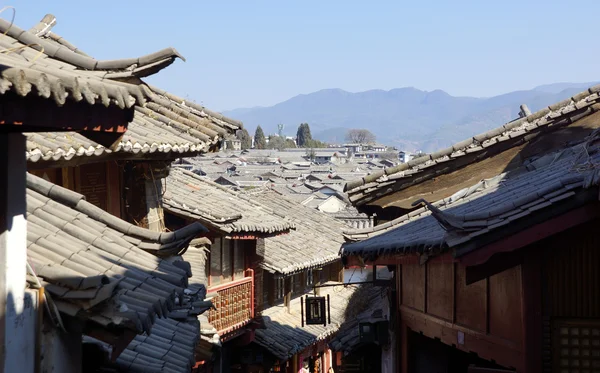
(258, 53)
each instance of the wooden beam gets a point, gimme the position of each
(497, 263)
(37, 114)
(397, 259)
(487, 346)
(533, 234)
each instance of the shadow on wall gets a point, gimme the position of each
(20, 334)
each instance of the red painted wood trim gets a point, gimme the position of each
(354, 261)
(533, 234)
(487, 346)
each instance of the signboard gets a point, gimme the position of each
(315, 311)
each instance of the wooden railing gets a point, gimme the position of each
(234, 304)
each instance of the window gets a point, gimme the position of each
(238, 260)
(215, 262)
(279, 289)
(227, 261)
(309, 278)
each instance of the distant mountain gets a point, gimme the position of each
(405, 117)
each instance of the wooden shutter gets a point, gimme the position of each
(90, 180)
(238, 259)
(215, 262)
(227, 265)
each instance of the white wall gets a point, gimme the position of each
(18, 307)
(332, 205)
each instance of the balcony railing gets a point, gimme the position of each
(234, 304)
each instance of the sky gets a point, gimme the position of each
(259, 53)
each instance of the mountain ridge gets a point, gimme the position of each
(406, 117)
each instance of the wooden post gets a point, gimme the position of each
(531, 282)
(295, 363)
(113, 186)
(271, 288)
(404, 347)
(287, 288)
(17, 313)
(154, 209)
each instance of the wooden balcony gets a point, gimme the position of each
(234, 304)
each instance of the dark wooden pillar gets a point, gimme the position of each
(287, 289)
(271, 289)
(531, 276)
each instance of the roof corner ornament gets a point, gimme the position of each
(448, 221)
(524, 112)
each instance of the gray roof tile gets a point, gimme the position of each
(315, 241)
(163, 123)
(284, 335)
(562, 112)
(485, 206)
(196, 197)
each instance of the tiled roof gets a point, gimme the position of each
(40, 62)
(378, 183)
(540, 184)
(284, 335)
(196, 197)
(100, 268)
(170, 348)
(174, 341)
(44, 68)
(315, 241)
(368, 304)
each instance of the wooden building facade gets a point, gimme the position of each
(498, 271)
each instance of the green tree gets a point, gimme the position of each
(276, 142)
(315, 144)
(289, 143)
(303, 136)
(245, 138)
(260, 142)
(311, 154)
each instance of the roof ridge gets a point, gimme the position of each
(194, 105)
(65, 54)
(550, 115)
(78, 202)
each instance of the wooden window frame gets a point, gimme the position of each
(227, 244)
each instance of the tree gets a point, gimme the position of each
(289, 143)
(276, 142)
(260, 142)
(360, 136)
(311, 154)
(245, 138)
(315, 144)
(303, 136)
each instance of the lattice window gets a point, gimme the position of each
(576, 346)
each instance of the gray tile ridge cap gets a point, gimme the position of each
(64, 54)
(77, 202)
(464, 144)
(195, 106)
(241, 194)
(53, 191)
